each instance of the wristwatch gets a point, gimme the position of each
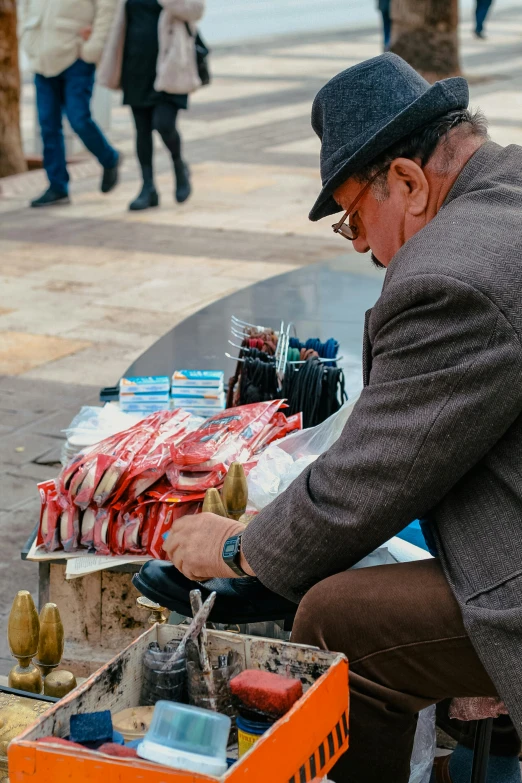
(232, 553)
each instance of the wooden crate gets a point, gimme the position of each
(301, 746)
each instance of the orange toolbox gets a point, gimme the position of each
(301, 746)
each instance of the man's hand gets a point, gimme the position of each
(86, 33)
(195, 544)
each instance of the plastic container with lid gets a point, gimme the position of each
(187, 738)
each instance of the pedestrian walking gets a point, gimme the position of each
(384, 8)
(63, 41)
(481, 13)
(151, 56)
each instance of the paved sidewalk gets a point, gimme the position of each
(87, 288)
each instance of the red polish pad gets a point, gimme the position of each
(266, 692)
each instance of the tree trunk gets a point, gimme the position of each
(12, 159)
(425, 34)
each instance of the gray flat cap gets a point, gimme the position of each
(364, 110)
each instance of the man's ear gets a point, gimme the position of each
(409, 179)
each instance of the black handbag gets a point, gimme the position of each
(202, 53)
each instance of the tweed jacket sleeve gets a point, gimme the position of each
(92, 49)
(445, 384)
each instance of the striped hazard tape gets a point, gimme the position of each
(315, 767)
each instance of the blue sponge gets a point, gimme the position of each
(91, 727)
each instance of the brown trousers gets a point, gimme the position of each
(402, 631)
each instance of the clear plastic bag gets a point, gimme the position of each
(423, 747)
(284, 460)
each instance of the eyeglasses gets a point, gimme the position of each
(347, 230)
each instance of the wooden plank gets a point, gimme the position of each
(121, 620)
(79, 602)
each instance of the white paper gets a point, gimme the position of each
(39, 554)
(88, 564)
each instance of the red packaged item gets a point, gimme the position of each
(117, 469)
(87, 526)
(279, 427)
(149, 524)
(225, 437)
(101, 530)
(192, 481)
(70, 528)
(134, 521)
(167, 515)
(96, 473)
(116, 532)
(50, 512)
(124, 530)
(149, 465)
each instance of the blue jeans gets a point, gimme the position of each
(481, 13)
(70, 93)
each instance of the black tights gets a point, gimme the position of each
(162, 118)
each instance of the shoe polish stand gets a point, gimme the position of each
(99, 610)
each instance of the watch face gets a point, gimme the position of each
(230, 548)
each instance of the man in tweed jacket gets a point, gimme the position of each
(436, 433)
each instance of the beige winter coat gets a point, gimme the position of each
(50, 32)
(176, 70)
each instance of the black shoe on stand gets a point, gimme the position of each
(183, 187)
(238, 601)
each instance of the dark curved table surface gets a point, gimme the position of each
(322, 300)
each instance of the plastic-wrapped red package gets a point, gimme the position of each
(225, 437)
(70, 528)
(101, 535)
(195, 481)
(168, 513)
(87, 523)
(149, 465)
(124, 530)
(171, 495)
(96, 473)
(117, 470)
(93, 471)
(116, 533)
(149, 524)
(134, 520)
(50, 512)
(279, 427)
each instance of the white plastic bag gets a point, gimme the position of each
(285, 459)
(423, 747)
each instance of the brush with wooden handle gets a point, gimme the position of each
(206, 667)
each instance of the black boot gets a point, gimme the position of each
(110, 176)
(148, 196)
(183, 188)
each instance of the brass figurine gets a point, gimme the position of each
(235, 491)
(213, 503)
(156, 611)
(23, 631)
(59, 683)
(50, 645)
